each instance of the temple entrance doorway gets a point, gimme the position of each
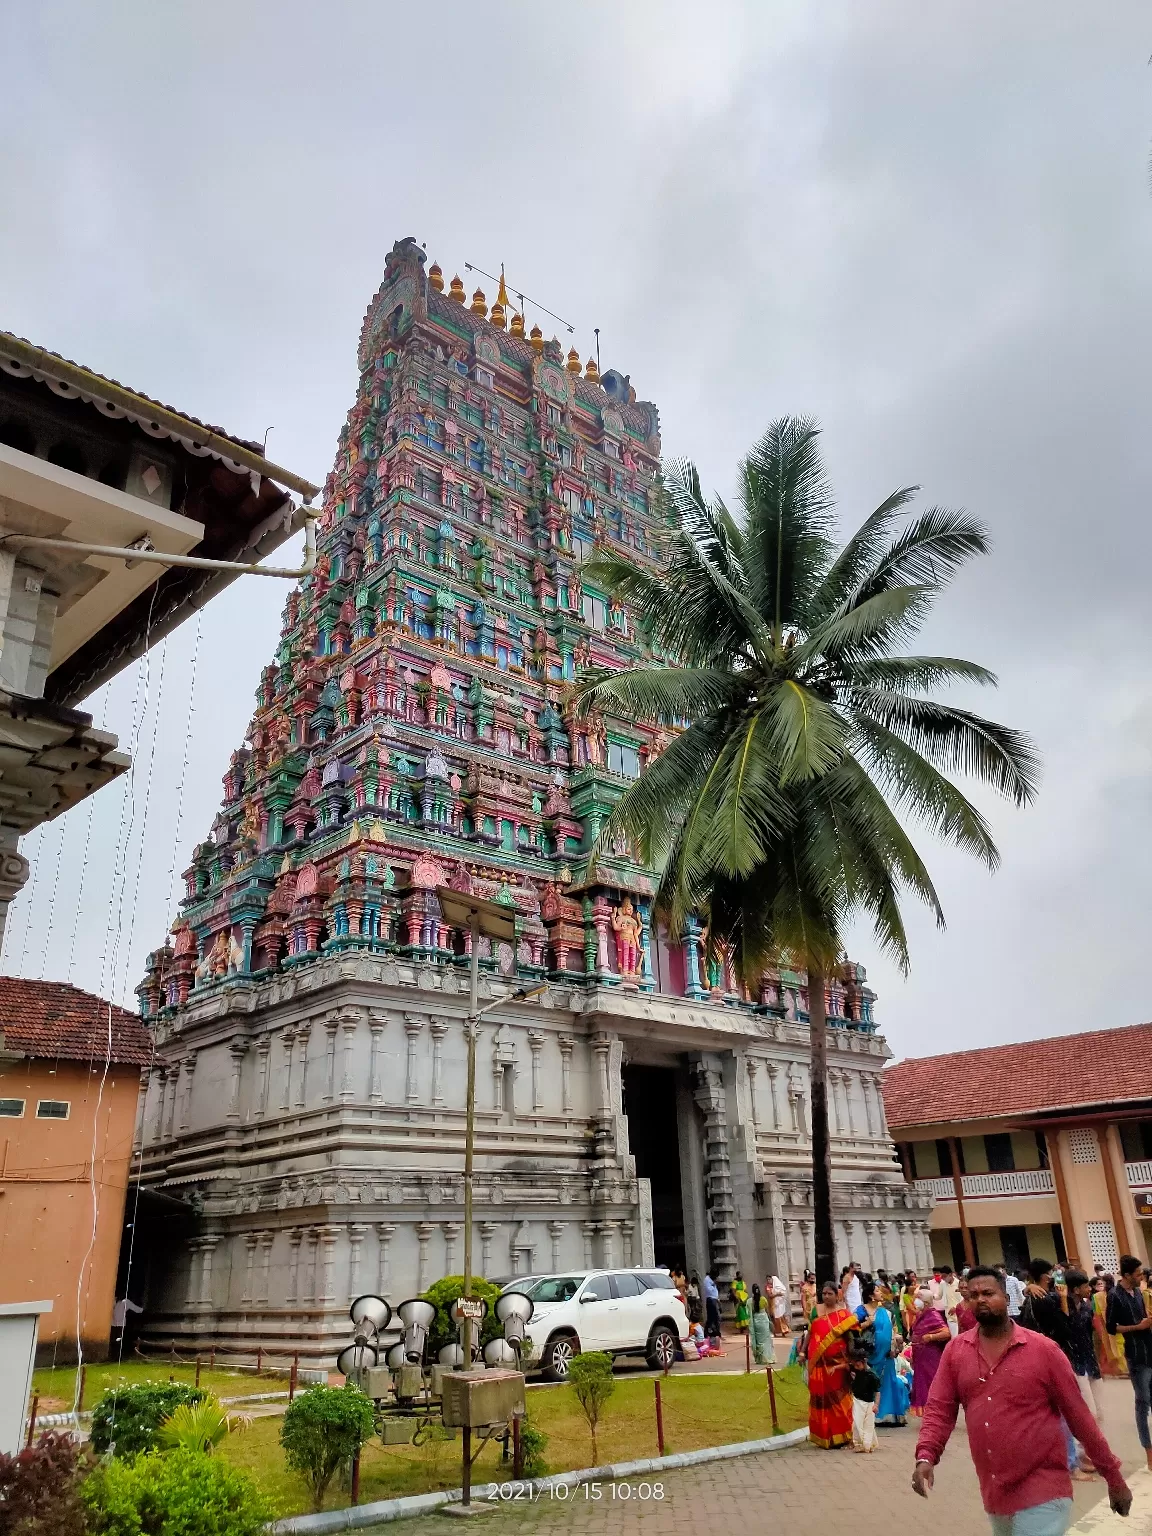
(653, 1139)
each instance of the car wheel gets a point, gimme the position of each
(558, 1356)
(661, 1349)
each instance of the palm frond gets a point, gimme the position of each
(861, 553)
(914, 674)
(867, 628)
(660, 694)
(958, 741)
(789, 519)
(929, 552)
(805, 735)
(922, 791)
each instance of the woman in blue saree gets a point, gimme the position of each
(893, 1405)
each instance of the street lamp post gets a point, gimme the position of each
(495, 921)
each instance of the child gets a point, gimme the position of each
(865, 1400)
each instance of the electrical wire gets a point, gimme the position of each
(172, 900)
(84, 856)
(95, 1220)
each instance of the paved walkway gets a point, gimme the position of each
(805, 1492)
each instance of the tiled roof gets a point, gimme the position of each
(54, 1020)
(1063, 1073)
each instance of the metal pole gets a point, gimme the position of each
(32, 1419)
(517, 1449)
(659, 1417)
(356, 1478)
(197, 1370)
(772, 1400)
(469, 1147)
(184, 562)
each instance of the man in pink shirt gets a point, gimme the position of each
(1015, 1387)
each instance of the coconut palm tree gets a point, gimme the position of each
(809, 737)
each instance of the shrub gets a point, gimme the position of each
(40, 1489)
(590, 1377)
(182, 1494)
(442, 1295)
(323, 1428)
(126, 1419)
(533, 1444)
(199, 1426)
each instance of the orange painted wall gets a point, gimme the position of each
(46, 1207)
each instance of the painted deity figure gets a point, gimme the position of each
(627, 927)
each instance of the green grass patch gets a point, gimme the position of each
(699, 1411)
(57, 1385)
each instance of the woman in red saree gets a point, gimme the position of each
(829, 1382)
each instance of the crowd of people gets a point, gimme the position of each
(762, 1314)
(1035, 1343)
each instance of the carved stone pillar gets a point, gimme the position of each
(609, 1231)
(331, 1026)
(266, 1241)
(794, 1269)
(849, 1252)
(287, 1040)
(173, 1090)
(600, 1048)
(451, 1230)
(487, 1233)
(251, 1240)
(350, 1023)
(328, 1236)
(189, 1071)
(588, 1232)
(752, 1066)
(627, 1233)
(708, 1091)
(192, 1295)
(535, 1045)
(295, 1238)
(834, 1101)
(356, 1231)
(384, 1234)
(263, 1073)
(438, 1029)
(846, 1082)
(566, 1042)
(555, 1233)
(376, 1023)
(312, 1237)
(869, 1244)
(208, 1246)
(302, 1065)
(412, 1027)
(773, 1071)
(807, 1230)
(424, 1233)
(866, 1093)
(238, 1049)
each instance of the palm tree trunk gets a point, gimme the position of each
(821, 1146)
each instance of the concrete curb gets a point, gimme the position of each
(385, 1510)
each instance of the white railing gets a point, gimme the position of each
(1139, 1175)
(975, 1186)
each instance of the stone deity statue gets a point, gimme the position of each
(627, 927)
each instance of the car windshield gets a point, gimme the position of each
(554, 1288)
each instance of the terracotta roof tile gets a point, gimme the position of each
(54, 1020)
(1061, 1073)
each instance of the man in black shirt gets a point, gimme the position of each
(1042, 1309)
(1128, 1316)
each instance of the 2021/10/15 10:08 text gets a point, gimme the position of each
(562, 1493)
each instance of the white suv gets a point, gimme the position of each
(620, 1311)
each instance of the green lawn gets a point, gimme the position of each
(698, 1411)
(58, 1386)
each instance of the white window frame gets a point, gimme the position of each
(19, 1115)
(67, 1103)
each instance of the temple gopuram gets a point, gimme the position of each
(302, 1136)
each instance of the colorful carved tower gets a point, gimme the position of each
(414, 730)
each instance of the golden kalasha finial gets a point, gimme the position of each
(497, 315)
(536, 337)
(573, 361)
(516, 326)
(479, 303)
(456, 290)
(436, 277)
(591, 371)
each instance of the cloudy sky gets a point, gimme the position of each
(929, 226)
